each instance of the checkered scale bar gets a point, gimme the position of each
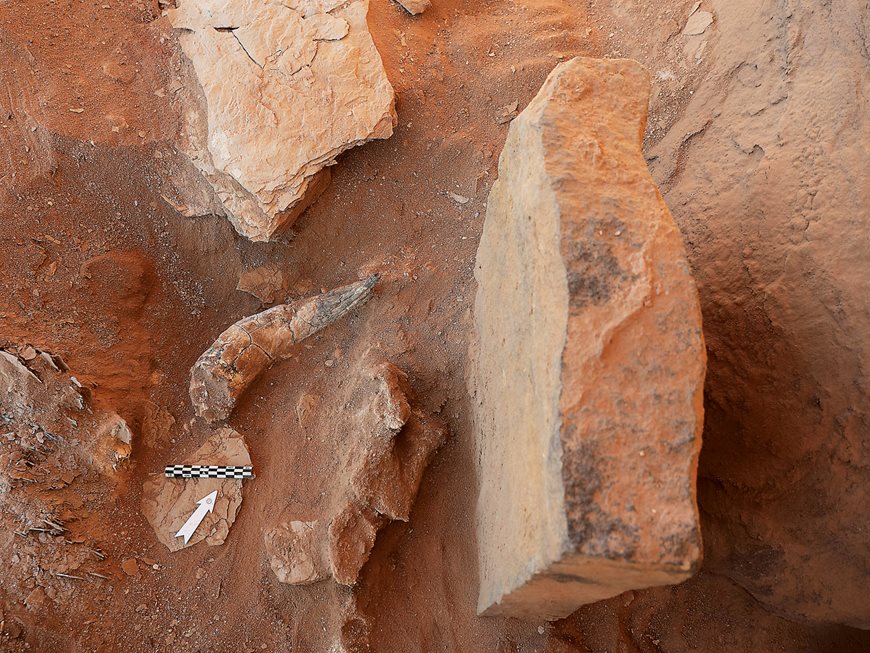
(209, 471)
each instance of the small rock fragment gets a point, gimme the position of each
(698, 23)
(415, 7)
(295, 552)
(35, 599)
(167, 502)
(266, 284)
(27, 353)
(508, 112)
(352, 534)
(130, 566)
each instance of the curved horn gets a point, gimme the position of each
(243, 351)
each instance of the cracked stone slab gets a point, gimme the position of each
(590, 370)
(168, 502)
(287, 86)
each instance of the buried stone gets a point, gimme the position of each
(387, 443)
(590, 363)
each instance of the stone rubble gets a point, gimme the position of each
(63, 458)
(390, 445)
(43, 401)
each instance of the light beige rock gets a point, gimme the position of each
(698, 23)
(591, 361)
(267, 284)
(351, 537)
(168, 502)
(288, 87)
(415, 7)
(295, 552)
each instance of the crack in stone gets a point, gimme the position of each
(232, 31)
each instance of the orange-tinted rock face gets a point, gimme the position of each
(591, 361)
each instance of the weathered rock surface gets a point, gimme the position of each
(295, 551)
(242, 352)
(590, 368)
(415, 7)
(268, 284)
(288, 87)
(389, 445)
(168, 502)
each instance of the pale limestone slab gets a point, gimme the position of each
(288, 86)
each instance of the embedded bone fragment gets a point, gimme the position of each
(591, 360)
(385, 445)
(252, 344)
(287, 86)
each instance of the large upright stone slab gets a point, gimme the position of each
(289, 85)
(591, 360)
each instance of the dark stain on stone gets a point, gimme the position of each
(569, 578)
(593, 271)
(591, 530)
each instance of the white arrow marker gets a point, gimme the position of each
(206, 505)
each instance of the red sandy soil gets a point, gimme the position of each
(100, 269)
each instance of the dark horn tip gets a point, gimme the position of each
(372, 279)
